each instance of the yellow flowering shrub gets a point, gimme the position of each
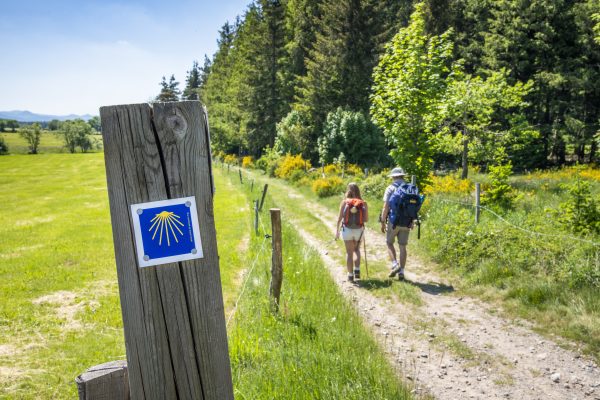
(330, 186)
(448, 184)
(248, 162)
(332, 169)
(230, 159)
(289, 164)
(353, 169)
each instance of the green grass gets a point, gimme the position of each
(316, 346)
(49, 143)
(56, 240)
(59, 304)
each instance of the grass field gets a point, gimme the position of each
(59, 305)
(49, 143)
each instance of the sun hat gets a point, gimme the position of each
(397, 172)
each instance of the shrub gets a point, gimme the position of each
(353, 134)
(448, 184)
(500, 193)
(269, 162)
(332, 169)
(293, 133)
(325, 187)
(353, 169)
(230, 159)
(580, 213)
(374, 185)
(247, 162)
(3, 146)
(291, 163)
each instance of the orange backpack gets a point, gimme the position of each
(354, 213)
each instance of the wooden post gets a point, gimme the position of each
(104, 381)
(477, 201)
(228, 165)
(256, 217)
(240, 171)
(276, 258)
(173, 317)
(252, 185)
(262, 199)
(413, 179)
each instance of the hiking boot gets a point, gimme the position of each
(401, 274)
(394, 271)
(357, 274)
(350, 278)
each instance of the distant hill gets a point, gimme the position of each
(28, 116)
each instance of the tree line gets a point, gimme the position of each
(431, 83)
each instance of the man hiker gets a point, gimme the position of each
(399, 232)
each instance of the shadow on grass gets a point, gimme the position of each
(432, 288)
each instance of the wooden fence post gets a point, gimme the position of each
(276, 258)
(413, 179)
(256, 217)
(104, 381)
(477, 202)
(262, 199)
(240, 171)
(252, 185)
(173, 318)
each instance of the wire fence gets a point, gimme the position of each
(531, 232)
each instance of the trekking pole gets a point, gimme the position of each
(365, 248)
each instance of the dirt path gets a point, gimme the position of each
(453, 346)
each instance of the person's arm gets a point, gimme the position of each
(340, 216)
(384, 214)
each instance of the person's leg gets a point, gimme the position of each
(349, 258)
(356, 259)
(389, 240)
(402, 242)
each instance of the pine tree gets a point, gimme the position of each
(192, 83)
(169, 90)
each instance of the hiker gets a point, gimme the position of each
(399, 232)
(351, 220)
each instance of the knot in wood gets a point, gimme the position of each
(177, 124)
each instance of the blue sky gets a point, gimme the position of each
(66, 56)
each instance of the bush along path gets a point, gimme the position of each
(450, 345)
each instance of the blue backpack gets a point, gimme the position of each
(405, 204)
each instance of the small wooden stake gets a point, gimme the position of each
(256, 217)
(477, 201)
(262, 200)
(413, 179)
(277, 257)
(104, 381)
(240, 171)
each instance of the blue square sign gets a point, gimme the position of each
(166, 231)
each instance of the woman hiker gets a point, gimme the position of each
(351, 220)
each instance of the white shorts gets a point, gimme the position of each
(351, 234)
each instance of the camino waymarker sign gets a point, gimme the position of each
(166, 231)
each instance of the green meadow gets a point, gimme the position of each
(59, 304)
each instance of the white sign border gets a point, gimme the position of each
(139, 244)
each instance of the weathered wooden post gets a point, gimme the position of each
(104, 381)
(240, 172)
(256, 217)
(252, 185)
(276, 258)
(413, 179)
(173, 315)
(477, 201)
(262, 199)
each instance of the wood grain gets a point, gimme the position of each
(172, 313)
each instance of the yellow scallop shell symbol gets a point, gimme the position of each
(166, 222)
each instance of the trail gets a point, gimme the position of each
(455, 346)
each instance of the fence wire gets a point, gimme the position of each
(595, 244)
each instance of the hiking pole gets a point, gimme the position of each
(365, 247)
